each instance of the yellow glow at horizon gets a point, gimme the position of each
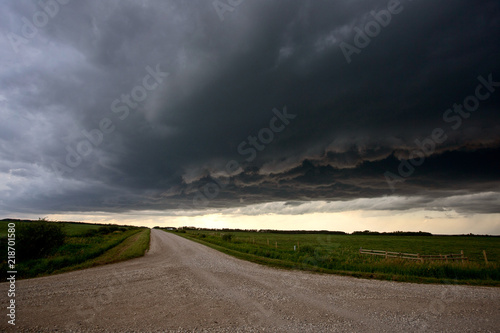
(421, 220)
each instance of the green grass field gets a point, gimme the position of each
(85, 245)
(340, 254)
(75, 229)
(70, 228)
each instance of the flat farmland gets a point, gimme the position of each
(339, 253)
(184, 286)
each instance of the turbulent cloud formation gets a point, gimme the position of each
(190, 105)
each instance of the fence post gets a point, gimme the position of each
(385, 254)
(485, 257)
(462, 255)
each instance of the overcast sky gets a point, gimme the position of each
(250, 108)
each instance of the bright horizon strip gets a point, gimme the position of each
(436, 222)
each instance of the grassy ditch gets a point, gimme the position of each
(82, 246)
(339, 254)
(132, 247)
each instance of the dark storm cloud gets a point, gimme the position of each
(352, 121)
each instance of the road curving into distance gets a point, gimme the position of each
(180, 285)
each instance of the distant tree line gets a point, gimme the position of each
(73, 222)
(326, 232)
(393, 233)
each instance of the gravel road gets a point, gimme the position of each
(184, 286)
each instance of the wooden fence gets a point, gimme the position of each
(415, 256)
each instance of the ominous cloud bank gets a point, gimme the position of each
(147, 105)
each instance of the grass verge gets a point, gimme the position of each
(132, 247)
(84, 246)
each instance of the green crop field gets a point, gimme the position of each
(75, 229)
(83, 245)
(70, 228)
(339, 254)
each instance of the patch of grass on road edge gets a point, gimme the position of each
(277, 263)
(134, 246)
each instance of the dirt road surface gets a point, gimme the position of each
(184, 286)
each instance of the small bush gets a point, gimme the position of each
(108, 229)
(38, 239)
(227, 237)
(307, 249)
(90, 233)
